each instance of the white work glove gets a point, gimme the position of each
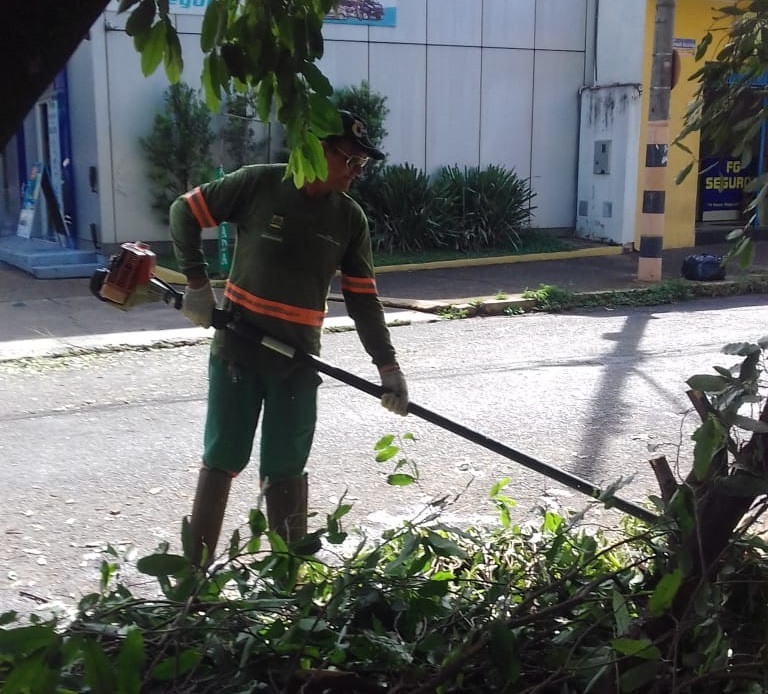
(198, 305)
(395, 397)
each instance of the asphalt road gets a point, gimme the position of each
(103, 447)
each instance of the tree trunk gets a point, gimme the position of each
(37, 38)
(717, 515)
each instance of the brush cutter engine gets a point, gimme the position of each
(129, 279)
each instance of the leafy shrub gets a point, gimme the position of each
(482, 208)
(400, 205)
(240, 131)
(466, 210)
(551, 605)
(369, 105)
(178, 147)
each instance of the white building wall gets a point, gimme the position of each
(468, 82)
(609, 126)
(479, 82)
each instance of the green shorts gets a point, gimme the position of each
(236, 396)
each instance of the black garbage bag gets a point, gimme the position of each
(703, 268)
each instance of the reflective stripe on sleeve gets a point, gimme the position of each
(199, 209)
(273, 309)
(358, 285)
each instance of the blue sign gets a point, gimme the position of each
(722, 184)
(30, 195)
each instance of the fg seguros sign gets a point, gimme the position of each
(722, 183)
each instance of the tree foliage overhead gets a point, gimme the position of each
(268, 46)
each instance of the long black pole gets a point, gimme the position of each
(222, 319)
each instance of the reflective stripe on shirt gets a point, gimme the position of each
(358, 285)
(199, 209)
(273, 309)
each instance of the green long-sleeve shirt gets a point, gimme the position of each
(288, 248)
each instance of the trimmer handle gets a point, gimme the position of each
(220, 319)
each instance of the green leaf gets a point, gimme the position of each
(173, 667)
(8, 618)
(98, 670)
(324, 116)
(214, 25)
(264, 96)
(683, 174)
(750, 367)
(234, 544)
(25, 640)
(708, 384)
(340, 511)
(316, 79)
(152, 51)
(106, 571)
(257, 522)
(211, 83)
(410, 543)
(129, 663)
(444, 547)
(388, 453)
(141, 18)
(386, 441)
(704, 44)
(741, 349)
(496, 488)
(316, 155)
(295, 166)
(505, 652)
(620, 612)
(29, 676)
(749, 424)
(172, 58)
(710, 439)
(638, 677)
(400, 479)
(162, 564)
(637, 648)
(665, 592)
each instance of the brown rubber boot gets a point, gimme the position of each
(208, 512)
(287, 507)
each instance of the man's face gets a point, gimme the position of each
(346, 162)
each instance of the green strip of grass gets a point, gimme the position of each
(534, 244)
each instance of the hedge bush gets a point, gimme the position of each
(467, 210)
(482, 208)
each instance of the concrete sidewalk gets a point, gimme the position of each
(41, 316)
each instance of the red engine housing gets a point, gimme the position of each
(134, 267)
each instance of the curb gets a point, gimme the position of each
(752, 283)
(596, 252)
(26, 350)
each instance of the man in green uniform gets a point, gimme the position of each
(290, 243)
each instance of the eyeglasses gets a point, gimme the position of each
(353, 161)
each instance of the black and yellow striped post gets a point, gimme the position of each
(657, 145)
(654, 195)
